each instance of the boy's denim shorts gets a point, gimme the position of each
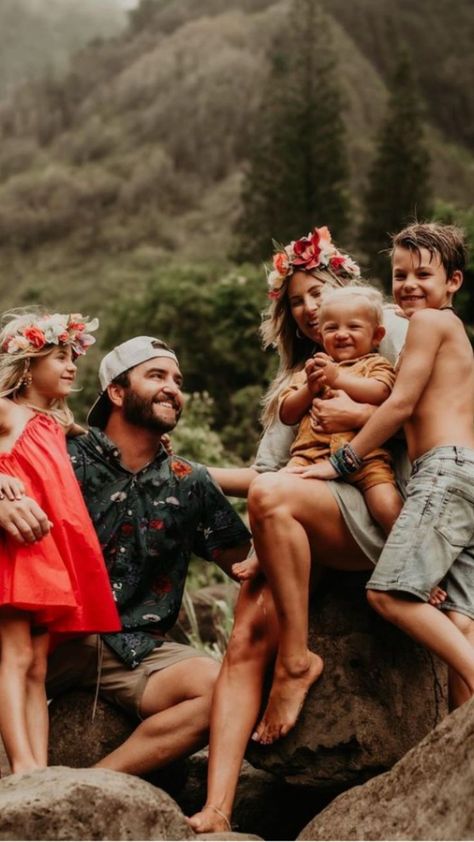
(432, 542)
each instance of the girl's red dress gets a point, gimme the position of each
(61, 579)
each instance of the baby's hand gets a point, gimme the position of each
(314, 376)
(246, 569)
(11, 488)
(329, 368)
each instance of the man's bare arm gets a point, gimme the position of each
(24, 520)
(233, 481)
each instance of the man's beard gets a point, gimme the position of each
(139, 412)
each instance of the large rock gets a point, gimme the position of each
(78, 740)
(59, 803)
(427, 795)
(379, 695)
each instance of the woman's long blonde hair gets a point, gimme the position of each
(15, 367)
(279, 330)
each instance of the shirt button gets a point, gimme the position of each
(129, 512)
(122, 549)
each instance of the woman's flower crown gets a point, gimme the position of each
(55, 329)
(316, 251)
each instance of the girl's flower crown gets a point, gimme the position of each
(316, 251)
(55, 329)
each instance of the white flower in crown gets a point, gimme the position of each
(17, 343)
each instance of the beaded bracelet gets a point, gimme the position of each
(345, 461)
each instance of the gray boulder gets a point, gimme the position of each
(379, 695)
(427, 795)
(59, 803)
(78, 740)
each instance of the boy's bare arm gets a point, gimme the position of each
(424, 337)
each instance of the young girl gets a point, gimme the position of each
(58, 585)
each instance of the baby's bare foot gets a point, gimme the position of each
(437, 596)
(246, 569)
(286, 700)
(210, 820)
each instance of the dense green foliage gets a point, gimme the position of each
(399, 188)
(298, 167)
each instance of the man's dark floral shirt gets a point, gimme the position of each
(149, 524)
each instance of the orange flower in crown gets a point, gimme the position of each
(316, 251)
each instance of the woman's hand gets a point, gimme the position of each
(11, 488)
(322, 470)
(339, 413)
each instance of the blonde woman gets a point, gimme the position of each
(329, 519)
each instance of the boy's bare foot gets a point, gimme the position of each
(246, 569)
(210, 820)
(287, 696)
(437, 596)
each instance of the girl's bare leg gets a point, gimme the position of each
(15, 661)
(293, 520)
(36, 701)
(237, 700)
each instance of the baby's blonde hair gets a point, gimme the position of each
(14, 367)
(370, 296)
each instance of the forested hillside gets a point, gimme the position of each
(38, 36)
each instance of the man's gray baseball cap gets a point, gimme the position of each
(129, 354)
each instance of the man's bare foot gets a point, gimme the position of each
(210, 820)
(437, 596)
(286, 700)
(246, 569)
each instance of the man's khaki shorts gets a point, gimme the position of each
(77, 664)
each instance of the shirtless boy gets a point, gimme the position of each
(432, 542)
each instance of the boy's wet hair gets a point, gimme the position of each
(447, 241)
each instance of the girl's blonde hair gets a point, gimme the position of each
(279, 330)
(369, 295)
(15, 364)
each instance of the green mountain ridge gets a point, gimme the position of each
(135, 158)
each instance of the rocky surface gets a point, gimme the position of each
(427, 795)
(60, 803)
(78, 740)
(379, 695)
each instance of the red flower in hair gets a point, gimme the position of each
(336, 262)
(35, 336)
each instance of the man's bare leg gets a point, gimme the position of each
(237, 701)
(293, 520)
(176, 708)
(433, 629)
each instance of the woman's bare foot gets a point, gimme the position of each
(210, 820)
(246, 569)
(287, 696)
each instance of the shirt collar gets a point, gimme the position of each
(111, 452)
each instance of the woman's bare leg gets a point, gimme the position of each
(237, 701)
(36, 702)
(293, 520)
(16, 659)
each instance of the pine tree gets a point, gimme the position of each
(398, 190)
(298, 168)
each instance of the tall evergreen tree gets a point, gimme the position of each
(298, 169)
(399, 188)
